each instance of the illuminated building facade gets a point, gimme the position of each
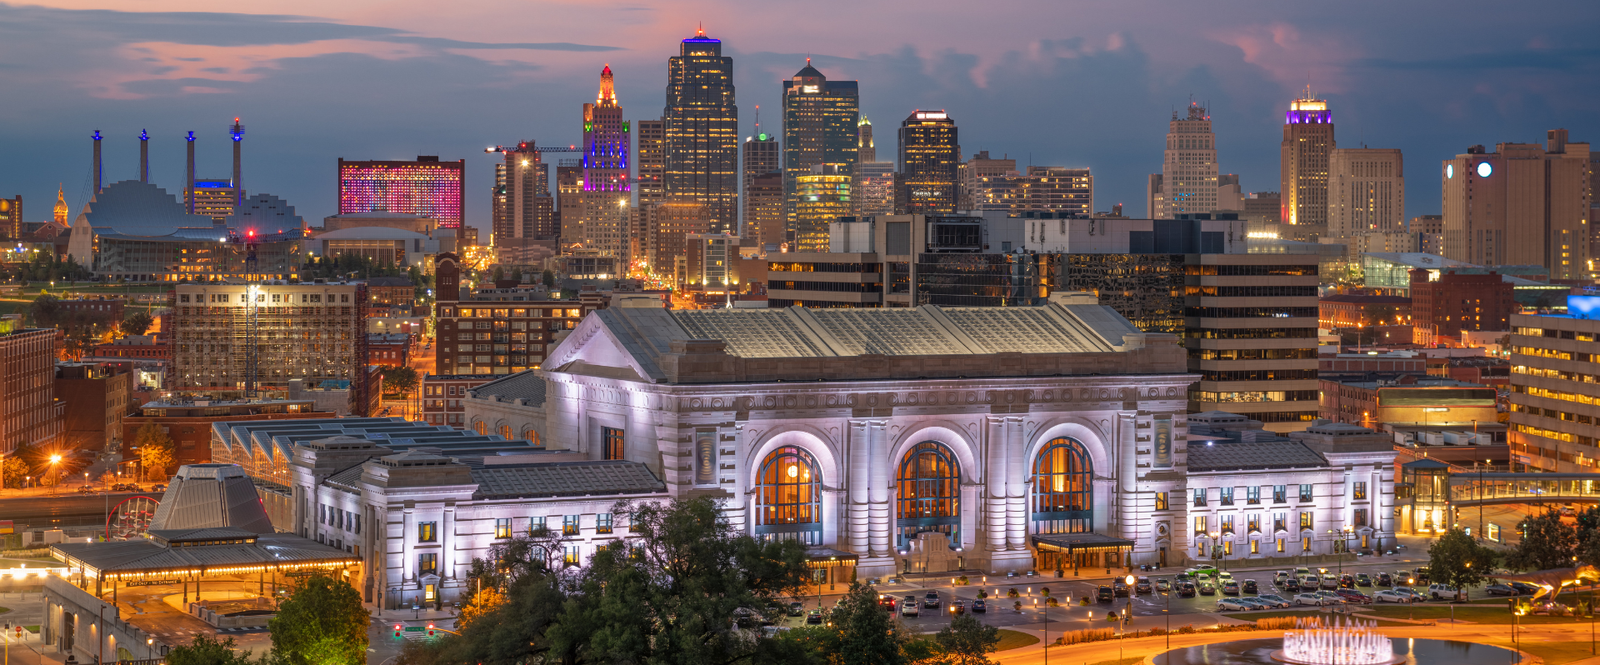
(874, 188)
(30, 414)
(1555, 387)
(652, 160)
(1307, 146)
(214, 199)
(525, 229)
(1043, 188)
(927, 183)
(569, 202)
(764, 223)
(1188, 179)
(136, 231)
(702, 131)
(495, 331)
(821, 197)
(426, 186)
(667, 228)
(607, 159)
(761, 156)
(1366, 192)
(11, 217)
(1523, 204)
(821, 121)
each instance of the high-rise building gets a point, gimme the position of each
(426, 186)
(30, 414)
(569, 201)
(214, 199)
(236, 340)
(496, 331)
(652, 159)
(821, 198)
(607, 159)
(1523, 204)
(1555, 389)
(930, 150)
(1366, 191)
(1429, 231)
(866, 150)
(668, 226)
(981, 176)
(702, 130)
(764, 223)
(761, 156)
(1187, 183)
(524, 226)
(1307, 146)
(874, 188)
(11, 216)
(1042, 188)
(821, 120)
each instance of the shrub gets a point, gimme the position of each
(1052, 602)
(1012, 593)
(1084, 601)
(1044, 591)
(961, 581)
(982, 594)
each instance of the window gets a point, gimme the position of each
(1280, 522)
(1227, 525)
(535, 525)
(1255, 547)
(427, 532)
(502, 527)
(602, 523)
(1252, 495)
(1227, 496)
(1280, 493)
(1199, 497)
(482, 428)
(1305, 520)
(1305, 544)
(569, 524)
(1227, 547)
(505, 432)
(1306, 492)
(1063, 496)
(1254, 522)
(1360, 490)
(1161, 501)
(1361, 517)
(1199, 525)
(610, 443)
(428, 564)
(571, 557)
(929, 498)
(358, 524)
(1280, 545)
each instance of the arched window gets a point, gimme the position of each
(480, 427)
(1063, 489)
(929, 494)
(789, 497)
(531, 435)
(505, 432)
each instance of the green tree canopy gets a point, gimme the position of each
(138, 324)
(206, 650)
(966, 641)
(399, 380)
(155, 450)
(322, 623)
(1547, 542)
(1457, 560)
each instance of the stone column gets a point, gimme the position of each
(408, 527)
(1127, 475)
(879, 480)
(447, 542)
(1016, 484)
(994, 484)
(857, 466)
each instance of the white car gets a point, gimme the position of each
(1333, 598)
(1202, 577)
(1392, 596)
(1310, 599)
(1408, 591)
(1271, 600)
(1233, 604)
(909, 609)
(1224, 577)
(1444, 592)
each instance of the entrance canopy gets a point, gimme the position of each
(1072, 543)
(177, 553)
(824, 557)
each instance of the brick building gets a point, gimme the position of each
(397, 292)
(98, 395)
(1442, 308)
(388, 350)
(153, 347)
(107, 308)
(30, 414)
(498, 331)
(189, 424)
(442, 395)
(1362, 311)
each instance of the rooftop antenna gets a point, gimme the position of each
(189, 191)
(758, 120)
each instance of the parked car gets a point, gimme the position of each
(1282, 576)
(1385, 579)
(1310, 599)
(1409, 592)
(1363, 579)
(1143, 586)
(1353, 596)
(1274, 600)
(1250, 586)
(1501, 590)
(1302, 572)
(1224, 577)
(958, 607)
(814, 618)
(1347, 581)
(1186, 590)
(154, 488)
(909, 608)
(1523, 588)
(980, 607)
(1329, 582)
(1180, 578)
(1254, 604)
(1392, 596)
(797, 609)
(1445, 592)
(1232, 604)
(1104, 594)
(1230, 588)
(86, 490)
(1163, 585)
(1208, 589)
(887, 602)
(1551, 608)
(1291, 585)
(1121, 588)
(1333, 598)
(931, 600)
(1404, 578)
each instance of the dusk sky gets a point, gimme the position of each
(1048, 81)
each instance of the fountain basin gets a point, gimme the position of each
(1406, 650)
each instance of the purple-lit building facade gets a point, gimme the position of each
(607, 193)
(426, 186)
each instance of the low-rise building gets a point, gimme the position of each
(153, 347)
(1362, 311)
(30, 414)
(389, 349)
(1555, 387)
(1425, 401)
(442, 396)
(188, 423)
(98, 396)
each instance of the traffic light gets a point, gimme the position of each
(430, 630)
(397, 630)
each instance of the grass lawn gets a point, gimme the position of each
(31, 629)
(1011, 639)
(1553, 653)
(1473, 613)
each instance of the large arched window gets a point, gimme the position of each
(789, 497)
(1063, 489)
(929, 494)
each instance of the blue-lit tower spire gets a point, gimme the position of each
(237, 132)
(188, 191)
(144, 156)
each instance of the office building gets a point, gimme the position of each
(243, 340)
(569, 202)
(981, 181)
(866, 148)
(426, 186)
(821, 120)
(1555, 387)
(930, 151)
(524, 229)
(1429, 231)
(11, 217)
(1056, 189)
(496, 332)
(1252, 336)
(214, 198)
(761, 157)
(1308, 144)
(30, 414)
(607, 162)
(874, 188)
(650, 183)
(702, 130)
(820, 198)
(99, 395)
(667, 228)
(1366, 192)
(713, 263)
(1449, 303)
(1523, 204)
(1187, 183)
(764, 223)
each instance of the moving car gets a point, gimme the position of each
(979, 607)
(1274, 600)
(1310, 599)
(1143, 586)
(931, 600)
(1233, 604)
(1250, 586)
(1392, 596)
(1501, 590)
(958, 607)
(1230, 588)
(1186, 590)
(1363, 579)
(1104, 594)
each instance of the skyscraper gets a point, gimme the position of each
(822, 197)
(569, 202)
(702, 131)
(426, 186)
(524, 226)
(1523, 204)
(979, 174)
(1307, 145)
(652, 163)
(929, 152)
(1059, 189)
(821, 121)
(761, 156)
(1366, 191)
(607, 192)
(1188, 179)
(764, 222)
(866, 150)
(873, 190)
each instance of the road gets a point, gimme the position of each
(63, 511)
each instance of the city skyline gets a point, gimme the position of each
(151, 77)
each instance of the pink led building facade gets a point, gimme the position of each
(426, 186)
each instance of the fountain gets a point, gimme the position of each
(1344, 642)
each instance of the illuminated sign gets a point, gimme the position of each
(1449, 171)
(1583, 307)
(1484, 169)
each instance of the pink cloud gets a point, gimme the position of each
(1292, 58)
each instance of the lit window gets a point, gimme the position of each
(427, 532)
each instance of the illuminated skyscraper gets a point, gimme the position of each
(1188, 179)
(215, 198)
(1307, 145)
(525, 228)
(821, 121)
(607, 158)
(866, 151)
(761, 157)
(426, 186)
(652, 161)
(927, 183)
(874, 188)
(1366, 192)
(702, 131)
(821, 198)
(1523, 204)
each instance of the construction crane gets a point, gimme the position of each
(528, 147)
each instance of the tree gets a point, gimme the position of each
(323, 623)
(155, 450)
(867, 634)
(1547, 542)
(499, 273)
(15, 471)
(549, 279)
(399, 380)
(1457, 560)
(206, 650)
(966, 641)
(138, 324)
